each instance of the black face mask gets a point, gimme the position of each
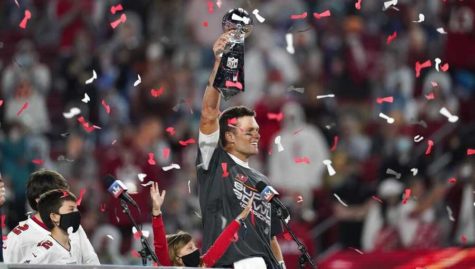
(193, 259)
(72, 219)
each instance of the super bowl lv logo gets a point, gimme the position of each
(261, 208)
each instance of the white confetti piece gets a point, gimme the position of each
(452, 118)
(418, 138)
(414, 171)
(138, 81)
(277, 141)
(86, 98)
(331, 170)
(421, 18)
(144, 233)
(441, 30)
(339, 200)
(147, 184)
(388, 4)
(219, 3)
(390, 171)
(94, 76)
(325, 96)
(141, 176)
(258, 17)
(171, 166)
(189, 188)
(386, 117)
(72, 112)
(451, 216)
(236, 17)
(437, 63)
(110, 237)
(223, 222)
(289, 39)
(197, 214)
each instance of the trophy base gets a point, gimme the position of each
(227, 93)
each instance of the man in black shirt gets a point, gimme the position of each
(226, 182)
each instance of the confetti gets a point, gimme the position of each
(187, 142)
(324, 14)
(1, 102)
(430, 96)
(230, 84)
(389, 171)
(87, 126)
(287, 236)
(289, 39)
(141, 176)
(357, 250)
(106, 107)
(134, 253)
(449, 212)
(299, 199)
(38, 161)
(116, 23)
(116, 8)
(430, 143)
(389, 4)
(81, 195)
(420, 66)
(299, 16)
(16, 3)
(147, 184)
(23, 108)
(258, 17)
(210, 7)
(325, 96)
(236, 17)
(232, 121)
(331, 170)
(391, 38)
(470, 152)
(86, 98)
(156, 93)
(387, 118)
(358, 5)
(452, 180)
(103, 207)
(277, 141)
(275, 116)
(418, 138)
(452, 118)
(407, 195)
(292, 88)
(302, 160)
(219, 3)
(94, 76)
(151, 159)
(441, 30)
(223, 222)
(434, 84)
(138, 81)
(25, 19)
(110, 237)
(335, 143)
(376, 198)
(166, 153)
(414, 171)
(171, 166)
(64, 134)
(72, 113)
(225, 169)
(235, 237)
(381, 100)
(189, 188)
(65, 194)
(205, 24)
(339, 200)
(421, 18)
(170, 130)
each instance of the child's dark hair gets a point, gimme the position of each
(42, 181)
(228, 114)
(50, 202)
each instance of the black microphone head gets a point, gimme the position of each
(260, 186)
(108, 180)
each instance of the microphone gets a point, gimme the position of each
(119, 190)
(268, 193)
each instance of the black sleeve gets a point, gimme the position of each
(276, 227)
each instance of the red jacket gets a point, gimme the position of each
(213, 254)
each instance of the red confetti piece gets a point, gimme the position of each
(430, 96)
(335, 142)
(151, 159)
(225, 169)
(235, 237)
(470, 152)
(444, 67)
(3, 221)
(103, 207)
(324, 14)
(299, 16)
(156, 93)
(137, 235)
(275, 116)
(388, 99)
(81, 195)
(210, 7)
(106, 107)
(420, 66)
(391, 38)
(452, 180)
(299, 199)
(25, 19)
(65, 194)
(23, 108)
(230, 84)
(187, 142)
(38, 161)
(1, 102)
(242, 178)
(166, 153)
(430, 143)
(287, 236)
(87, 126)
(232, 121)
(116, 8)
(407, 195)
(134, 253)
(116, 23)
(302, 160)
(463, 238)
(205, 24)
(358, 5)
(376, 198)
(170, 130)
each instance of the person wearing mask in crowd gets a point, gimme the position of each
(25, 236)
(180, 249)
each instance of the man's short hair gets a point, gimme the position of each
(50, 202)
(42, 181)
(228, 114)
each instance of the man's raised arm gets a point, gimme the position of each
(210, 106)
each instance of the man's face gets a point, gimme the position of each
(245, 136)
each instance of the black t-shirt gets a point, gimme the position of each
(226, 197)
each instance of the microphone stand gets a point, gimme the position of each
(146, 250)
(304, 256)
